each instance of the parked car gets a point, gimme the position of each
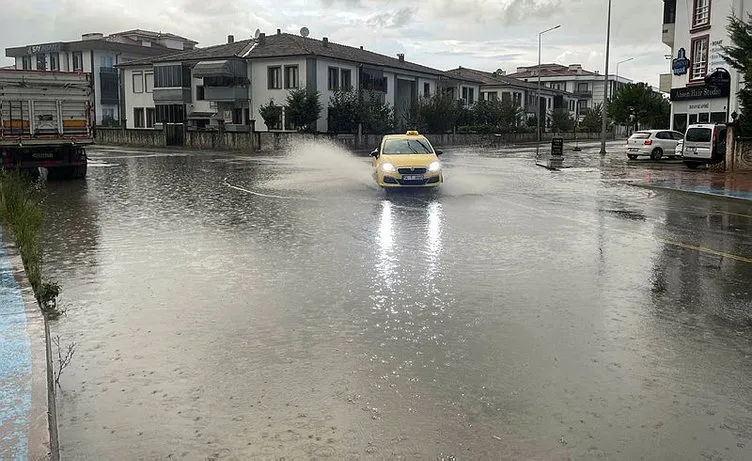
(407, 160)
(704, 143)
(655, 144)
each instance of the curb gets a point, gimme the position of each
(692, 192)
(42, 430)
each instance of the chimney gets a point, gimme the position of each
(326, 41)
(401, 57)
(361, 47)
(262, 38)
(279, 31)
(230, 39)
(575, 68)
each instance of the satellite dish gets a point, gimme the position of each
(258, 32)
(304, 32)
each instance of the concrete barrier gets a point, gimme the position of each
(268, 141)
(28, 424)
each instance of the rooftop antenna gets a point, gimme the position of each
(304, 32)
(258, 32)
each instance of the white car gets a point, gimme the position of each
(655, 144)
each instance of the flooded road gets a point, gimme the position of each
(282, 307)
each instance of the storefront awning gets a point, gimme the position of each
(213, 69)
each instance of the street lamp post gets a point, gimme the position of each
(604, 122)
(538, 97)
(617, 72)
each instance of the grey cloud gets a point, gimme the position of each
(392, 20)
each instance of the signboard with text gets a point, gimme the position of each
(40, 49)
(557, 147)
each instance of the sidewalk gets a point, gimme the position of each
(24, 426)
(736, 186)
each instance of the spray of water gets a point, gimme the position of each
(320, 165)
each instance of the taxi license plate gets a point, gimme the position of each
(43, 155)
(412, 177)
(633, 150)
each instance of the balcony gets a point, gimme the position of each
(668, 34)
(583, 94)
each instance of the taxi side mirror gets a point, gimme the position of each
(439, 152)
(374, 153)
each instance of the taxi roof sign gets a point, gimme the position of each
(413, 133)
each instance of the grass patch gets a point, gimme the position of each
(21, 213)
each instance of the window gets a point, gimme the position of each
(291, 77)
(582, 87)
(138, 82)
(41, 62)
(149, 117)
(426, 90)
(274, 77)
(663, 135)
(701, 14)
(174, 76)
(78, 61)
(517, 98)
(468, 95)
(407, 146)
(237, 116)
(105, 61)
(373, 79)
(138, 117)
(704, 117)
(54, 65)
(699, 58)
(346, 79)
(170, 113)
(582, 105)
(149, 82)
(26, 63)
(572, 105)
(200, 93)
(699, 135)
(548, 103)
(108, 114)
(333, 78)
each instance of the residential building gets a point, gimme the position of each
(99, 54)
(696, 32)
(227, 84)
(498, 86)
(587, 86)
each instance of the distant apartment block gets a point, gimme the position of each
(587, 86)
(99, 54)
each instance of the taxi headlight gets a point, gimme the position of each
(388, 168)
(435, 166)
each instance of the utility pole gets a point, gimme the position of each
(604, 123)
(538, 98)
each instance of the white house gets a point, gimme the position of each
(587, 86)
(498, 86)
(227, 84)
(696, 32)
(99, 54)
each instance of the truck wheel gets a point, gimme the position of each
(59, 173)
(656, 154)
(79, 172)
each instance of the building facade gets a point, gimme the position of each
(586, 86)
(99, 55)
(226, 85)
(498, 86)
(696, 32)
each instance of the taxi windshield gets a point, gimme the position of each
(407, 146)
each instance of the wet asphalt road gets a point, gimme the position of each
(226, 307)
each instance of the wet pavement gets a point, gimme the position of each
(226, 307)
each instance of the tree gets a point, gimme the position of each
(271, 113)
(503, 116)
(438, 113)
(349, 108)
(303, 108)
(638, 104)
(592, 119)
(561, 121)
(739, 56)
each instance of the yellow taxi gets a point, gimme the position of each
(407, 160)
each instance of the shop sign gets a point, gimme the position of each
(680, 65)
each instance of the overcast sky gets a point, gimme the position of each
(482, 34)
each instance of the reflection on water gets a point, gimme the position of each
(216, 323)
